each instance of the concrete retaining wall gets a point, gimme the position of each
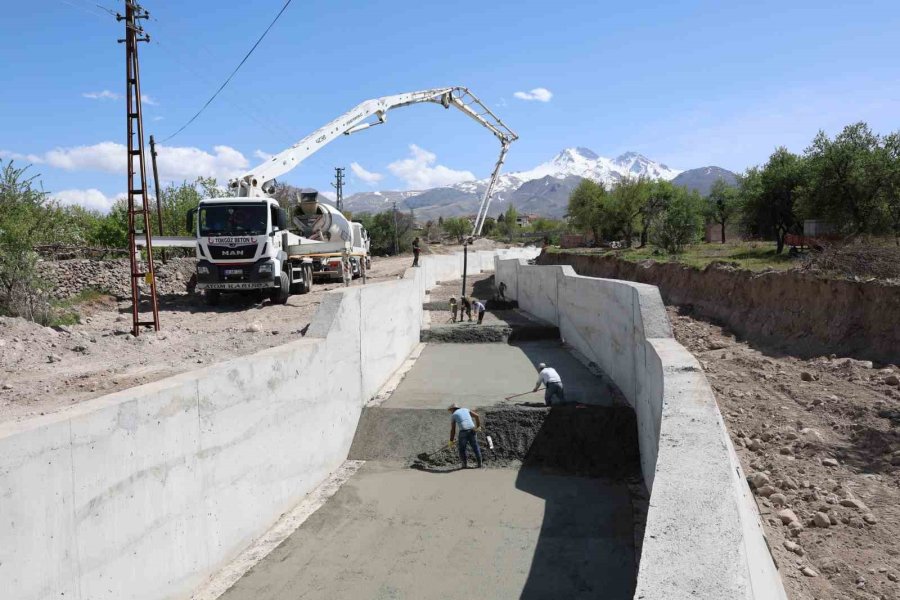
(704, 539)
(143, 493)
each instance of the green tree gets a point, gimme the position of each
(381, 231)
(457, 227)
(891, 191)
(585, 210)
(624, 207)
(27, 218)
(769, 196)
(847, 176)
(680, 223)
(112, 231)
(510, 227)
(659, 194)
(489, 225)
(722, 204)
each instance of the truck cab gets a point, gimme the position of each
(241, 246)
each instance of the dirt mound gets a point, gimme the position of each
(857, 259)
(567, 440)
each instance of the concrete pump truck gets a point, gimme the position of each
(248, 243)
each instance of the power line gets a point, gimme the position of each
(208, 102)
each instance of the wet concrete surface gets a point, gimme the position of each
(394, 533)
(485, 374)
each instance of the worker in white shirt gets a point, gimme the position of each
(551, 380)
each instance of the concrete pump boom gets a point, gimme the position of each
(258, 182)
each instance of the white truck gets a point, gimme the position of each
(243, 242)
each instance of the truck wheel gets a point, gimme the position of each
(297, 288)
(307, 279)
(213, 297)
(283, 292)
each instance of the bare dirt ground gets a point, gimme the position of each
(43, 370)
(818, 440)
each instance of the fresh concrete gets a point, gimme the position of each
(484, 374)
(703, 538)
(493, 533)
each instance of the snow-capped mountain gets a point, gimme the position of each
(580, 162)
(543, 190)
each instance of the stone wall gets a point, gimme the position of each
(69, 277)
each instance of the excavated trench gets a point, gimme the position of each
(557, 513)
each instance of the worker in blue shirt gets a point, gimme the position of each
(467, 428)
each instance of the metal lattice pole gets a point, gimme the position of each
(137, 180)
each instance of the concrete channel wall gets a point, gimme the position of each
(704, 538)
(144, 493)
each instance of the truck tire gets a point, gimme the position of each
(281, 294)
(212, 297)
(307, 279)
(297, 287)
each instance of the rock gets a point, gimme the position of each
(253, 328)
(765, 491)
(778, 499)
(53, 358)
(794, 547)
(892, 380)
(795, 527)
(892, 577)
(870, 519)
(806, 376)
(787, 483)
(809, 572)
(816, 401)
(758, 480)
(853, 503)
(821, 520)
(829, 462)
(6, 386)
(79, 349)
(718, 345)
(755, 445)
(787, 516)
(786, 450)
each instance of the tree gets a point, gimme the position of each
(381, 231)
(769, 196)
(680, 223)
(722, 204)
(457, 227)
(27, 218)
(847, 176)
(510, 227)
(891, 190)
(488, 226)
(625, 205)
(659, 194)
(585, 210)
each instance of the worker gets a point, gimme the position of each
(453, 309)
(465, 307)
(502, 291)
(467, 429)
(416, 252)
(479, 308)
(554, 387)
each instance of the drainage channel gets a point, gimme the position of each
(555, 514)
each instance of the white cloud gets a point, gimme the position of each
(158, 118)
(104, 95)
(540, 94)
(108, 95)
(175, 162)
(263, 155)
(90, 198)
(367, 176)
(419, 173)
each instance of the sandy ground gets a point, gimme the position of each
(817, 438)
(43, 370)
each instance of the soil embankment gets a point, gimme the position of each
(796, 312)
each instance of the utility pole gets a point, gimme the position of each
(396, 234)
(159, 219)
(137, 178)
(338, 185)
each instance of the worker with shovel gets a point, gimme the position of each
(554, 387)
(467, 428)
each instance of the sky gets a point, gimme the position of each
(689, 84)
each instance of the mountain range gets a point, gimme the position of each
(543, 190)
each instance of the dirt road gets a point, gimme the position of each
(43, 370)
(817, 438)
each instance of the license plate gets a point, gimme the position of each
(234, 271)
